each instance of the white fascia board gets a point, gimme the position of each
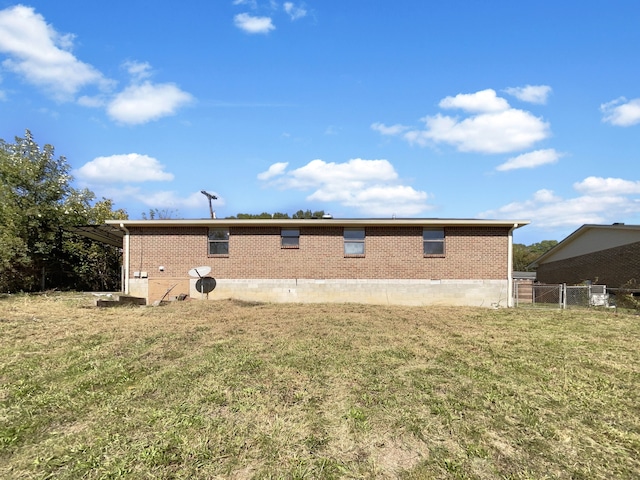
(441, 222)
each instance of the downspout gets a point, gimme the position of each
(125, 260)
(510, 267)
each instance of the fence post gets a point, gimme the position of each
(533, 295)
(563, 295)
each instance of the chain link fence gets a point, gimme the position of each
(559, 295)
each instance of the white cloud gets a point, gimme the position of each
(274, 170)
(607, 186)
(250, 3)
(377, 200)
(531, 160)
(621, 112)
(601, 201)
(127, 168)
(530, 93)
(479, 102)
(163, 199)
(251, 24)
(142, 103)
(500, 132)
(295, 12)
(493, 126)
(383, 129)
(370, 186)
(42, 56)
(545, 196)
(353, 174)
(171, 199)
(92, 101)
(138, 70)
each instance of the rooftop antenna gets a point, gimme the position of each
(210, 196)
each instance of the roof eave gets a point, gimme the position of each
(106, 234)
(320, 222)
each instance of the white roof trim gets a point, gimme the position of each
(320, 222)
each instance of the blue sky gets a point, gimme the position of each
(456, 109)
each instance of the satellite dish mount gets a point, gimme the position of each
(204, 284)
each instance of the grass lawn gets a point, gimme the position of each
(232, 390)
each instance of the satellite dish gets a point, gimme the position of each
(199, 272)
(205, 284)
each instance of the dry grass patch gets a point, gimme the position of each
(239, 390)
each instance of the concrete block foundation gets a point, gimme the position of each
(478, 293)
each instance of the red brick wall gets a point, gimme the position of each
(613, 267)
(255, 252)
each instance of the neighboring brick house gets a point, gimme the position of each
(603, 254)
(378, 261)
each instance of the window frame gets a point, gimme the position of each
(352, 241)
(435, 240)
(212, 240)
(292, 234)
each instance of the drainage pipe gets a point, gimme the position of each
(125, 260)
(510, 267)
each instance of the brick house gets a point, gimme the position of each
(377, 261)
(602, 254)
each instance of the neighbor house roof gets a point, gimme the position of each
(524, 275)
(590, 238)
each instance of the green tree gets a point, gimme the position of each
(307, 214)
(280, 215)
(86, 264)
(542, 247)
(160, 214)
(523, 255)
(37, 204)
(299, 214)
